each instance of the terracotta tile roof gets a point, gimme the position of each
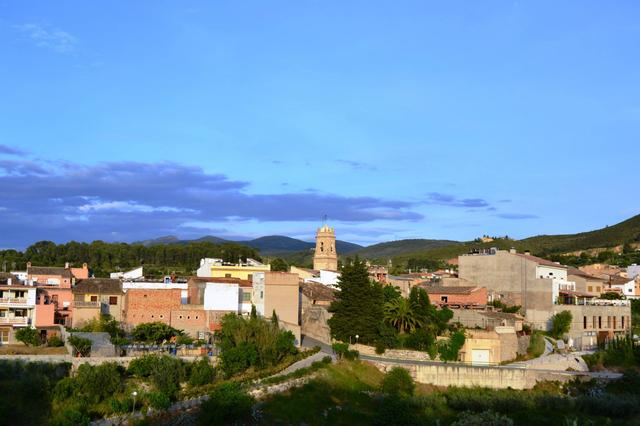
(49, 270)
(98, 285)
(540, 260)
(317, 291)
(618, 280)
(577, 272)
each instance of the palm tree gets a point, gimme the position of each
(399, 313)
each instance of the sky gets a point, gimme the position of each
(124, 121)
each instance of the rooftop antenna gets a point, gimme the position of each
(324, 219)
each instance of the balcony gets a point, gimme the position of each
(83, 304)
(15, 320)
(11, 301)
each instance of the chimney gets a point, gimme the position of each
(66, 265)
(28, 264)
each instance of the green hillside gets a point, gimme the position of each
(400, 247)
(541, 245)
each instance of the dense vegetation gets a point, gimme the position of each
(252, 343)
(357, 393)
(103, 257)
(26, 390)
(379, 316)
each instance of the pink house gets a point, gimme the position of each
(54, 299)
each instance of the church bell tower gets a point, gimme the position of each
(325, 256)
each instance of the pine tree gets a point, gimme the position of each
(358, 308)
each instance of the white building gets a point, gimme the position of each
(17, 307)
(134, 274)
(205, 266)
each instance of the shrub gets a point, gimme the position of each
(142, 366)
(351, 355)
(449, 349)
(227, 404)
(327, 359)
(184, 340)
(64, 389)
(399, 382)
(55, 342)
(485, 418)
(560, 324)
(97, 383)
(380, 348)
(71, 417)
(29, 336)
(158, 400)
(80, 345)
(340, 349)
(167, 374)
(121, 405)
(202, 372)
(154, 332)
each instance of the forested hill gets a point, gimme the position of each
(627, 232)
(109, 257)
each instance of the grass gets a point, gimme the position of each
(536, 345)
(21, 349)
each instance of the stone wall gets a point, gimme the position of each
(471, 376)
(314, 323)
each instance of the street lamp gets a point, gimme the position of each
(357, 337)
(134, 394)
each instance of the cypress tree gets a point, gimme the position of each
(358, 308)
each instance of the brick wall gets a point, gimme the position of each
(144, 305)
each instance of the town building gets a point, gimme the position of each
(633, 271)
(404, 283)
(586, 283)
(133, 274)
(628, 287)
(458, 297)
(315, 299)
(325, 256)
(54, 299)
(542, 288)
(17, 307)
(278, 292)
(216, 268)
(489, 347)
(94, 297)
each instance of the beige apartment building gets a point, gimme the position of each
(278, 292)
(544, 288)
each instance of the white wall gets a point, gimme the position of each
(221, 297)
(128, 275)
(627, 289)
(543, 271)
(205, 266)
(257, 297)
(328, 278)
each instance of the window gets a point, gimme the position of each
(246, 296)
(584, 323)
(4, 335)
(444, 299)
(261, 294)
(144, 296)
(196, 317)
(188, 317)
(599, 322)
(94, 298)
(622, 320)
(151, 316)
(180, 316)
(113, 300)
(615, 324)
(598, 289)
(590, 288)
(227, 275)
(250, 277)
(594, 322)
(161, 316)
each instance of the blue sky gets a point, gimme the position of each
(129, 120)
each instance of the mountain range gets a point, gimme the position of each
(624, 232)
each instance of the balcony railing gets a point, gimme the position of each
(14, 320)
(13, 300)
(83, 304)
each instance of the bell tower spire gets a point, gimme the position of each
(325, 256)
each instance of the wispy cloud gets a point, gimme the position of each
(357, 165)
(453, 201)
(9, 150)
(47, 37)
(516, 216)
(134, 200)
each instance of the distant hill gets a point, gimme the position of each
(542, 245)
(269, 245)
(400, 247)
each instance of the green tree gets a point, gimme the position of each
(97, 383)
(399, 313)
(358, 308)
(279, 264)
(399, 382)
(561, 324)
(80, 345)
(390, 293)
(154, 332)
(29, 336)
(202, 372)
(449, 349)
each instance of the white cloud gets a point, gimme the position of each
(49, 37)
(127, 207)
